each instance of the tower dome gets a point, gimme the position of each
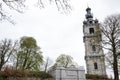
(88, 9)
(89, 14)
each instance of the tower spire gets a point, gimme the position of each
(89, 14)
(89, 17)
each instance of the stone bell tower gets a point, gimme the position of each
(94, 55)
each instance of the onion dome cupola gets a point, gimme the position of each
(89, 18)
(89, 14)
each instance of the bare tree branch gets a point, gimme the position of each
(111, 41)
(7, 48)
(19, 6)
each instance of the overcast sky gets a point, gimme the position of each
(58, 33)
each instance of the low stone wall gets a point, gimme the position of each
(70, 73)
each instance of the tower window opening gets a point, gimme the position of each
(91, 30)
(95, 65)
(93, 48)
(90, 22)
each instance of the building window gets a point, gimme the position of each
(90, 22)
(93, 48)
(95, 66)
(91, 30)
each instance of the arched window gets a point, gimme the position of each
(93, 48)
(91, 30)
(95, 65)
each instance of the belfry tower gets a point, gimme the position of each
(94, 55)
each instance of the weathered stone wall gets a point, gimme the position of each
(71, 73)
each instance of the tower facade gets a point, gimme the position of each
(94, 55)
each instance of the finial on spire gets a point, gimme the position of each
(88, 8)
(87, 5)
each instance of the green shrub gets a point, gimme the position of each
(1, 78)
(24, 73)
(96, 77)
(40, 74)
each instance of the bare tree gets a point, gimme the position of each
(111, 38)
(5, 5)
(47, 63)
(19, 6)
(61, 4)
(7, 48)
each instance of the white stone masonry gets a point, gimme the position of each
(71, 73)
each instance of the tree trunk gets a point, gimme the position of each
(0, 67)
(115, 67)
(1, 64)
